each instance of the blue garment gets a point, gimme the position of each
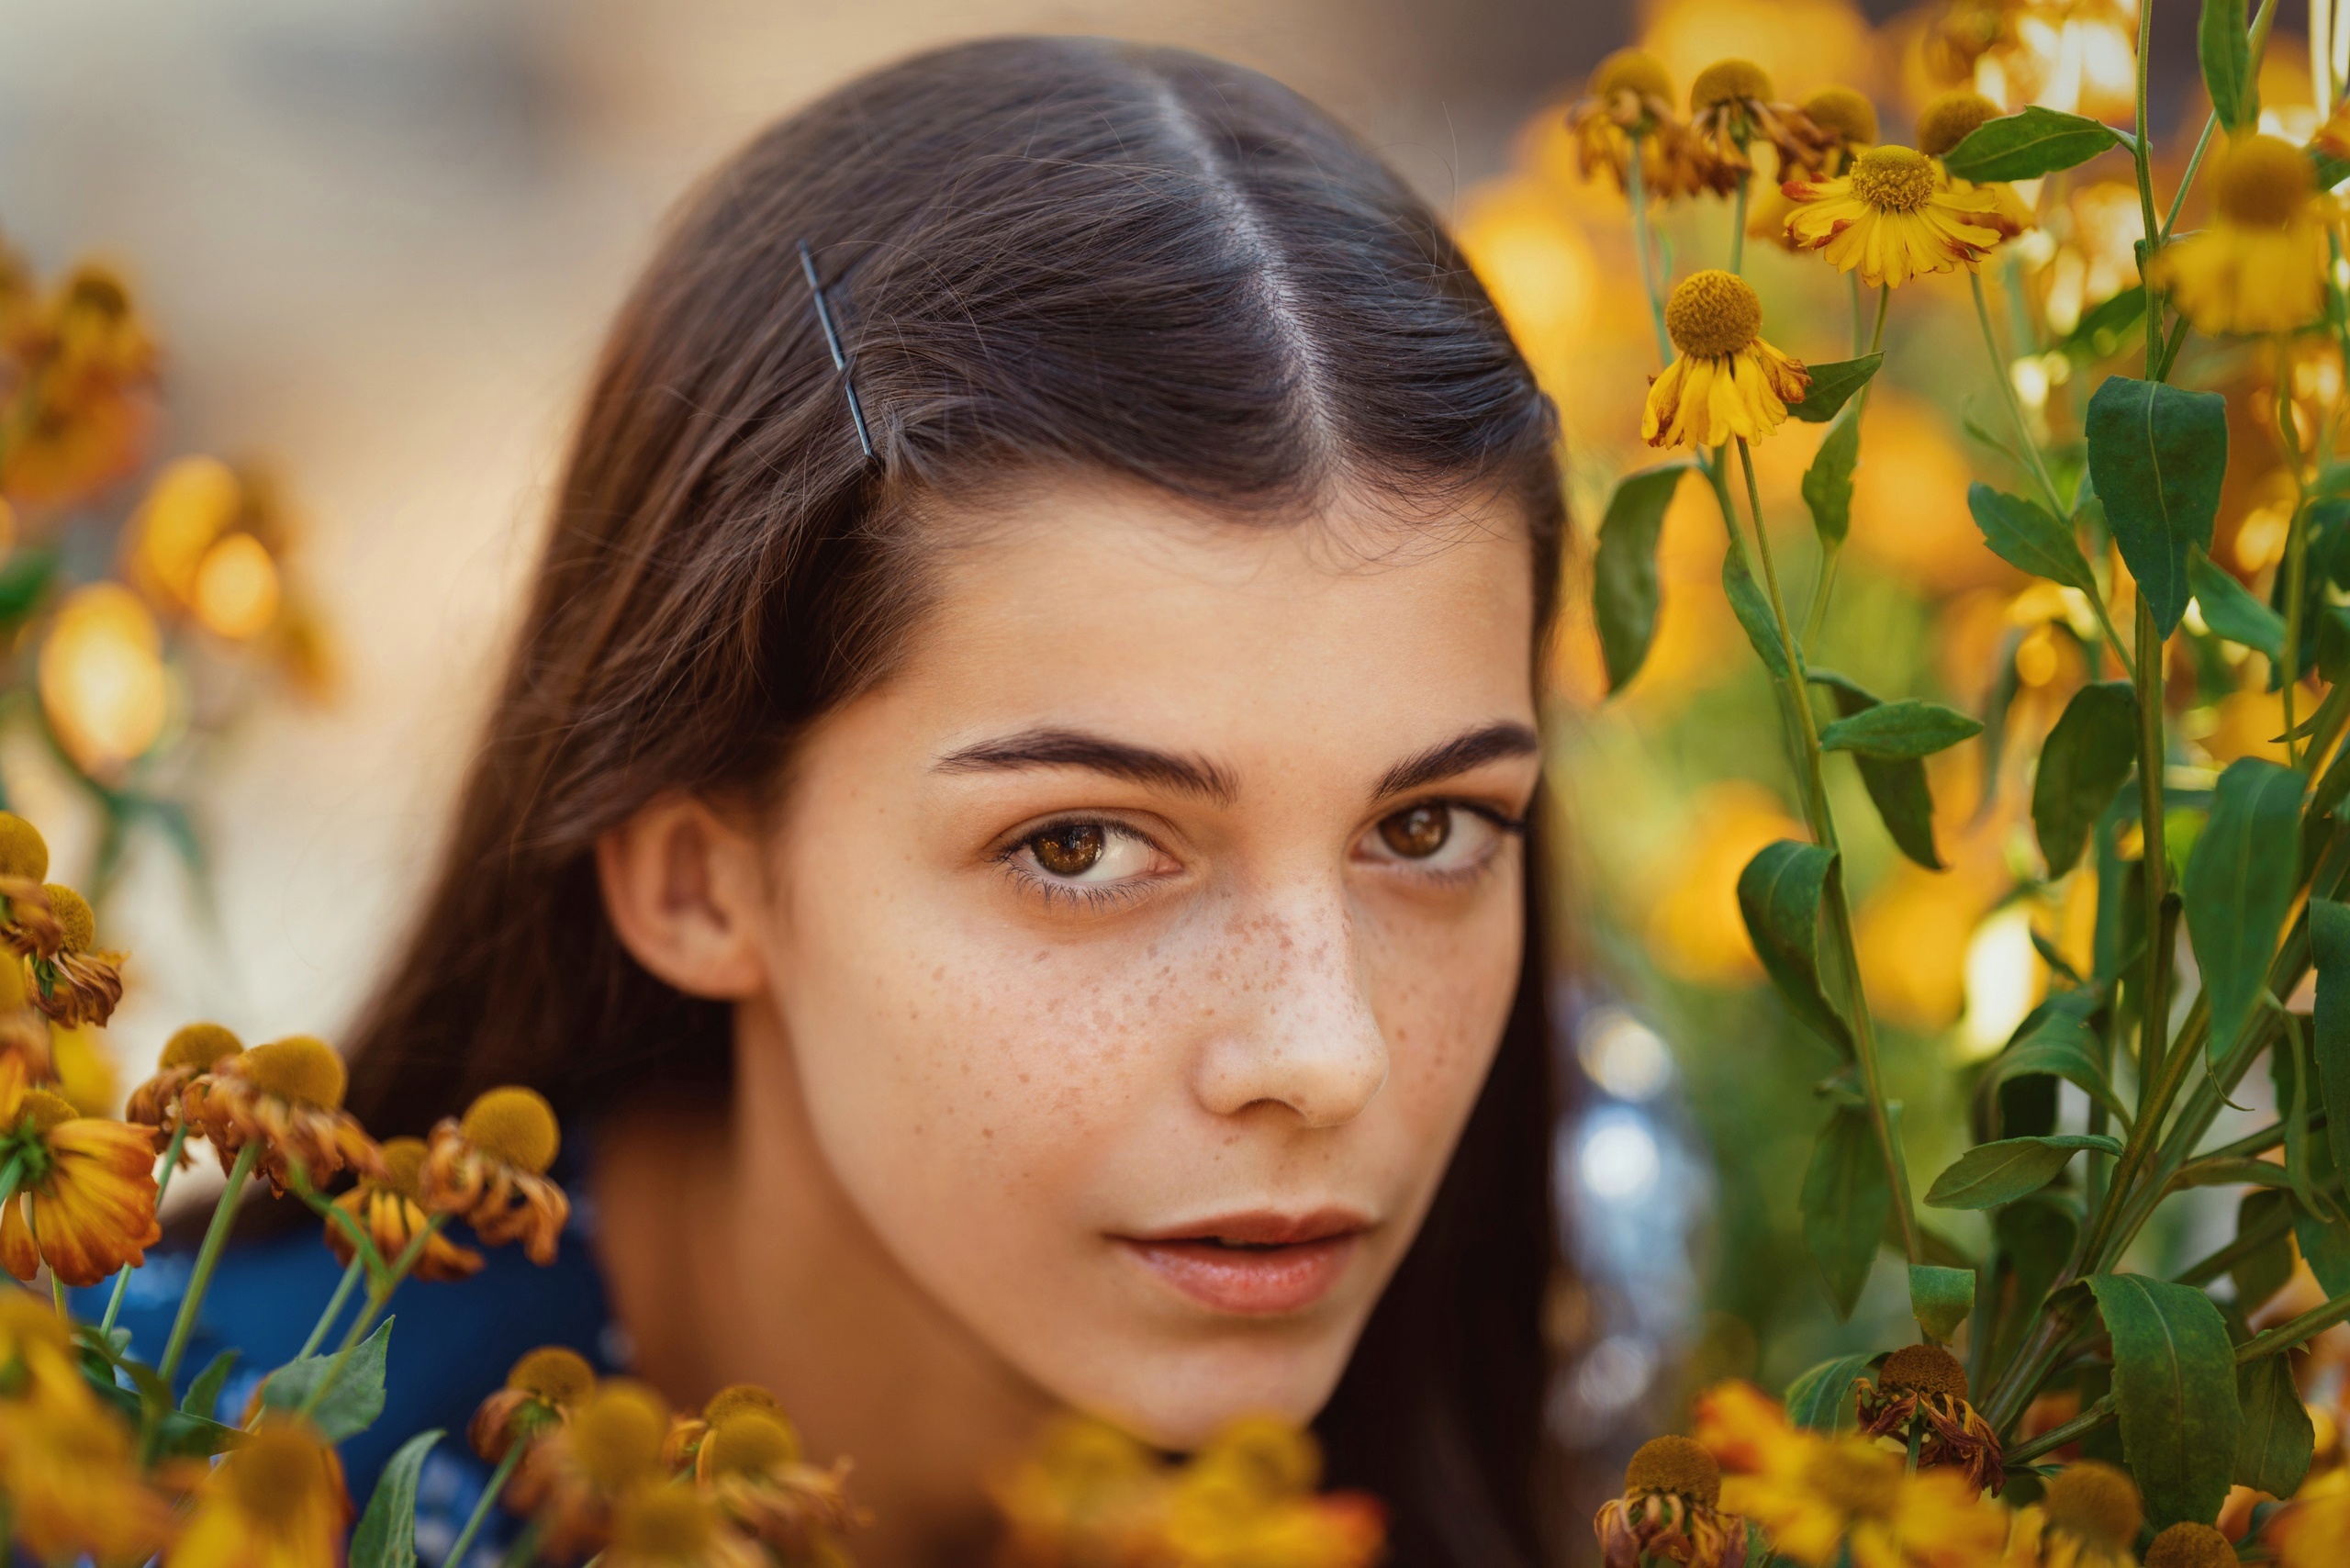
(451, 1345)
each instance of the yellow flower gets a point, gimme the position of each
(2088, 1517)
(490, 1170)
(1894, 217)
(1726, 381)
(87, 392)
(541, 1392)
(749, 1464)
(1630, 95)
(2260, 266)
(573, 1478)
(84, 1201)
(387, 1211)
(1951, 119)
(1839, 112)
(1248, 1501)
(193, 1051)
(1088, 1492)
(72, 1486)
(1927, 1382)
(664, 1526)
(276, 1501)
(2314, 1530)
(682, 1448)
(1668, 1512)
(1730, 109)
(286, 1097)
(2192, 1545)
(38, 1354)
(1815, 1496)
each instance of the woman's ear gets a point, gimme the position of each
(687, 895)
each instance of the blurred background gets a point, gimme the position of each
(374, 245)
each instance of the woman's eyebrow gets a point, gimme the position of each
(1119, 759)
(1471, 748)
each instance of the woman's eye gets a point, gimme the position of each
(1085, 852)
(1418, 832)
(1070, 850)
(1434, 836)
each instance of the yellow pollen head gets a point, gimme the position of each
(1847, 113)
(77, 928)
(1728, 82)
(1951, 119)
(619, 1433)
(1712, 314)
(200, 1046)
(23, 851)
(735, 1398)
(1630, 70)
(1893, 179)
(2264, 181)
(26, 1317)
(751, 1442)
(299, 1068)
(2097, 1504)
(43, 1110)
(403, 1165)
(2190, 1545)
(1858, 1479)
(516, 1125)
(1276, 1458)
(1926, 1369)
(277, 1472)
(1674, 1465)
(663, 1524)
(550, 1375)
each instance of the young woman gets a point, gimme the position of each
(1013, 859)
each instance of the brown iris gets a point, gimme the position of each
(1418, 831)
(1069, 849)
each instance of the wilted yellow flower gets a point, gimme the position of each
(1246, 1500)
(87, 364)
(666, 1526)
(540, 1393)
(72, 1486)
(572, 1479)
(1839, 113)
(2260, 268)
(490, 1170)
(1730, 109)
(386, 1210)
(2192, 1545)
(1949, 119)
(286, 1096)
(749, 1464)
(1893, 218)
(191, 502)
(1927, 1382)
(1668, 1511)
(101, 678)
(1725, 381)
(192, 1050)
(84, 1201)
(276, 1500)
(73, 981)
(2088, 1517)
(2313, 1532)
(1630, 95)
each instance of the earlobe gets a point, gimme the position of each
(684, 892)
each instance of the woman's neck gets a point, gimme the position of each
(733, 1256)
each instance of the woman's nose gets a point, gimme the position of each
(1310, 1041)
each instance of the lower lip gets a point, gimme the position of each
(1251, 1280)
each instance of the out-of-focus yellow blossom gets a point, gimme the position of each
(77, 381)
(285, 1096)
(1894, 217)
(1695, 930)
(1840, 113)
(1913, 933)
(541, 1392)
(72, 980)
(85, 1077)
(489, 1167)
(277, 1500)
(2079, 56)
(73, 1489)
(2314, 1532)
(385, 1211)
(1949, 118)
(1725, 381)
(194, 1050)
(2260, 268)
(2188, 1544)
(2093, 250)
(1801, 45)
(1730, 109)
(2088, 1517)
(1535, 262)
(1629, 95)
(84, 1200)
(102, 682)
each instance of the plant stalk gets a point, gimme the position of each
(162, 1187)
(455, 1555)
(334, 1307)
(208, 1258)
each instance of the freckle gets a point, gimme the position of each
(987, 1132)
(1042, 953)
(939, 973)
(1024, 1078)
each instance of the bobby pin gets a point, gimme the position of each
(832, 341)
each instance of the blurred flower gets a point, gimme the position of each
(1801, 45)
(386, 1210)
(541, 1392)
(286, 1096)
(2088, 1517)
(1926, 1382)
(1695, 930)
(1725, 381)
(1913, 933)
(2094, 257)
(749, 1464)
(1839, 113)
(1630, 96)
(571, 1479)
(102, 682)
(1668, 1513)
(490, 1170)
(84, 1200)
(237, 588)
(2260, 268)
(276, 1500)
(191, 502)
(1534, 261)
(2079, 56)
(2251, 724)
(194, 1050)
(1949, 118)
(2189, 1544)
(1730, 109)
(73, 982)
(1910, 509)
(79, 395)
(84, 1071)
(682, 1448)
(73, 1492)
(2314, 1530)
(1894, 218)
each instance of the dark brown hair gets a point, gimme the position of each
(1044, 254)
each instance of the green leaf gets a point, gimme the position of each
(1903, 729)
(351, 1406)
(2061, 1045)
(203, 1394)
(2231, 609)
(2261, 1273)
(2274, 1449)
(2157, 456)
(1822, 1398)
(2022, 533)
(2330, 170)
(1779, 894)
(1903, 799)
(2175, 1383)
(1992, 1173)
(2088, 754)
(2107, 326)
(2330, 951)
(2238, 885)
(2025, 146)
(1753, 609)
(2227, 65)
(385, 1536)
(25, 579)
(1940, 1299)
(1832, 386)
(1828, 483)
(1624, 594)
(1846, 1199)
(2325, 1248)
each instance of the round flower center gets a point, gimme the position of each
(752, 1443)
(516, 1125)
(2265, 182)
(1713, 313)
(551, 1374)
(403, 1164)
(1275, 1458)
(198, 1045)
(298, 1068)
(1634, 71)
(2095, 1503)
(619, 1433)
(77, 928)
(43, 1110)
(1847, 113)
(1893, 179)
(1927, 1369)
(2190, 1545)
(1855, 1481)
(274, 1474)
(735, 1398)
(23, 852)
(663, 1524)
(1674, 1465)
(1951, 119)
(1728, 82)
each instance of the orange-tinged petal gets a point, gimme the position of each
(95, 1211)
(17, 1253)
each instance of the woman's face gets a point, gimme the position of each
(1142, 942)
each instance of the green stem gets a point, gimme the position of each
(379, 1295)
(2141, 152)
(2055, 1437)
(2039, 470)
(2286, 1336)
(2154, 1020)
(1860, 321)
(208, 1258)
(358, 1266)
(162, 1186)
(2194, 165)
(456, 1556)
(1738, 224)
(1823, 576)
(2296, 551)
(2270, 1231)
(1636, 192)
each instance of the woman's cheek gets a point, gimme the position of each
(1443, 989)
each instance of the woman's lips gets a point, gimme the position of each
(1255, 1265)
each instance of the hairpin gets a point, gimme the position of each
(832, 341)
